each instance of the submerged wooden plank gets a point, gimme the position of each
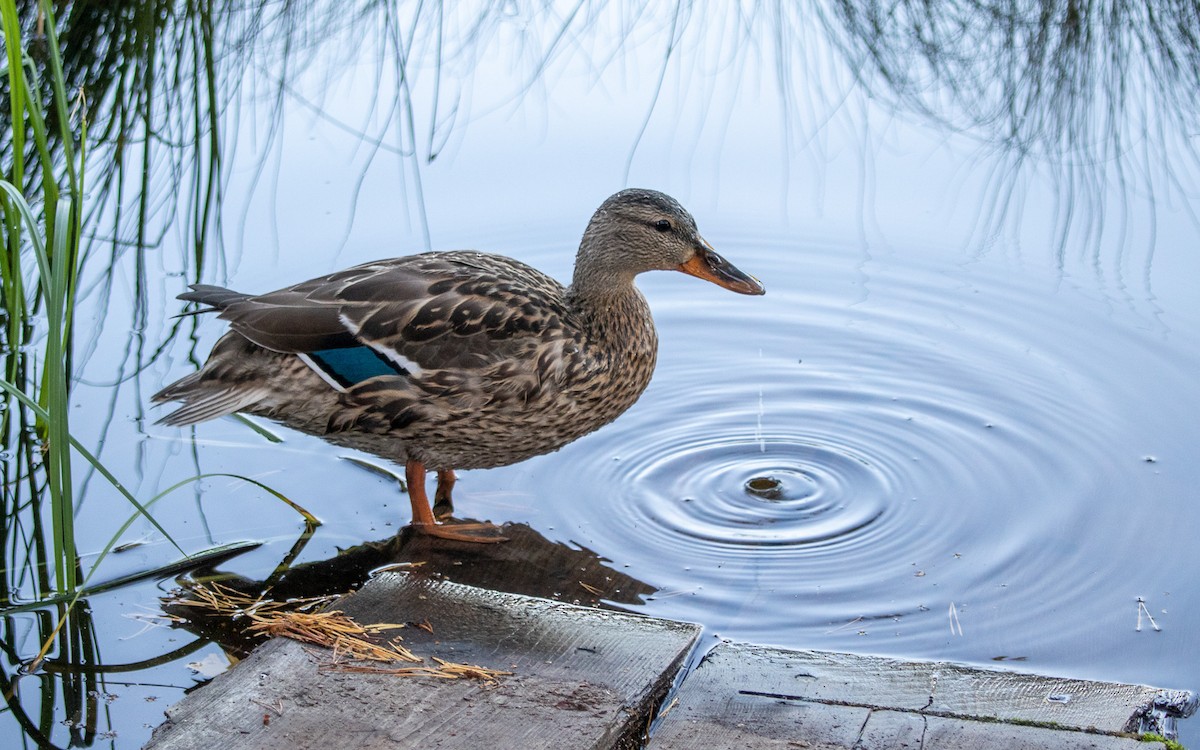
(897, 730)
(712, 717)
(757, 697)
(583, 678)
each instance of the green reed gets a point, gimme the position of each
(44, 138)
(47, 226)
(42, 206)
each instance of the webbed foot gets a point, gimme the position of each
(424, 521)
(479, 533)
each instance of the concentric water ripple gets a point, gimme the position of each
(702, 488)
(924, 440)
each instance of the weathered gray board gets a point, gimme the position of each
(587, 678)
(745, 696)
(583, 678)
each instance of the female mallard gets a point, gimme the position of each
(454, 360)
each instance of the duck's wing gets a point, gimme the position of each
(435, 311)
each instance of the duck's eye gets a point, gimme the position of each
(662, 225)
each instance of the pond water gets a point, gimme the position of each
(960, 425)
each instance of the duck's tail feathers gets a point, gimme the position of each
(216, 297)
(204, 400)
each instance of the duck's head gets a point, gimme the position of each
(639, 230)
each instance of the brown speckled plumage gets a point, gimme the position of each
(487, 361)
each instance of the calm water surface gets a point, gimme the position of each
(960, 425)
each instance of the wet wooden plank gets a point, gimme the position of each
(750, 696)
(583, 678)
(730, 719)
(895, 730)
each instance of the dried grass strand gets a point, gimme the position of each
(348, 640)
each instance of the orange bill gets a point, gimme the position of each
(708, 265)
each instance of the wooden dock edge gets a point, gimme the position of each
(592, 678)
(748, 696)
(581, 678)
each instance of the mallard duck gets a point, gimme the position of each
(454, 360)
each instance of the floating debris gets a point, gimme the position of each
(591, 589)
(1143, 610)
(216, 600)
(955, 625)
(766, 487)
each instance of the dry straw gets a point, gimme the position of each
(351, 643)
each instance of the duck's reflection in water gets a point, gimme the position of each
(528, 564)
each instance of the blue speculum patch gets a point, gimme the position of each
(355, 364)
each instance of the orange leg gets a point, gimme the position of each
(443, 504)
(423, 521)
(414, 477)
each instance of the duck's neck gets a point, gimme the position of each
(603, 267)
(596, 279)
(617, 318)
(611, 309)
